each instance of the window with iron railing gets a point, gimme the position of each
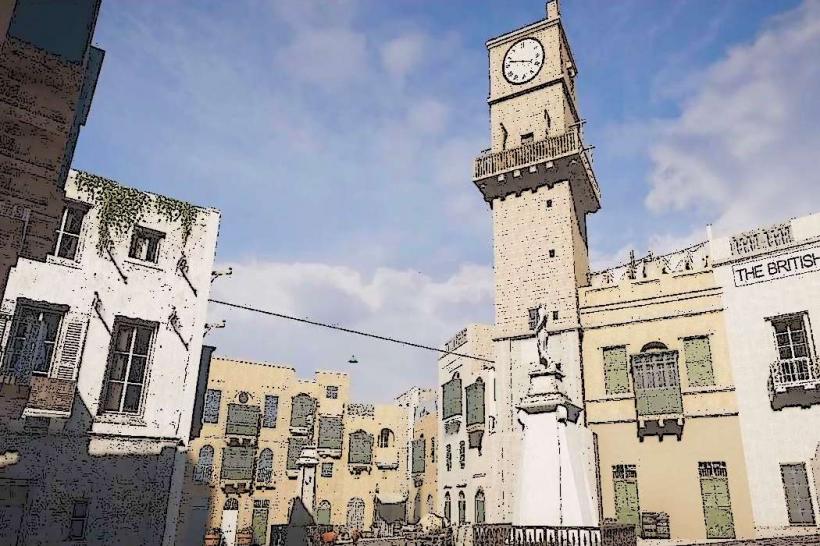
(657, 383)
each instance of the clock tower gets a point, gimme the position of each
(538, 180)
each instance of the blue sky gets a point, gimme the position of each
(336, 139)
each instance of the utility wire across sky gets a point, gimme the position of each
(347, 330)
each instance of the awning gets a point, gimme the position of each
(391, 508)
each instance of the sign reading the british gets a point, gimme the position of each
(777, 267)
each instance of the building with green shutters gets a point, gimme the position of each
(257, 418)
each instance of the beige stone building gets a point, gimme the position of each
(660, 396)
(257, 418)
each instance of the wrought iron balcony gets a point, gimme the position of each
(794, 382)
(566, 151)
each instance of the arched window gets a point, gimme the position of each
(204, 469)
(264, 468)
(323, 513)
(479, 506)
(231, 504)
(430, 506)
(355, 514)
(417, 507)
(462, 507)
(385, 437)
(653, 346)
(447, 507)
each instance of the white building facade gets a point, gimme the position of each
(468, 455)
(771, 282)
(101, 351)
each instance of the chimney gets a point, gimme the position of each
(553, 10)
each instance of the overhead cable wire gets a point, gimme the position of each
(346, 330)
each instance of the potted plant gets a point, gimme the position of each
(213, 537)
(244, 537)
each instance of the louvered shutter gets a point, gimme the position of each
(451, 396)
(5, 329)
(475, 403)
(419, 449)
(72, 343)
(331, 432)
(616, 370)
(698, 362)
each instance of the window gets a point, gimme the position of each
(127, 366)
(417, 456)
(549, 203)
(210, 413)
(385, 437)
(32, 341)
(698, 357)
(203, 471)
(552, 253)
(271, 411)
(327, 470)
(790, 336)
(479, 506)
(302, 410)
(331, 432)
(798, 495)
(532, 316)
(451, 396)
(448, 457)
(656, 370)
(323, 513)
(447, 507)
(527, 138)
(432, 450)
(555, 315)
(237, 463)
(462, 508)
(360, 449)
(68, 234)
(462, 454)
(616, 370)
(295, 445)
(264, 467)
(627, 504)
(332, 392)
(145, 244)
(475, 403)
(78, 521)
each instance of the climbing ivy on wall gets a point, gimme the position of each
(120, 208)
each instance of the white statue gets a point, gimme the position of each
(542, 339)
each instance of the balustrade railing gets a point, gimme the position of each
(794, 372)
(509, 535)
(490, 163)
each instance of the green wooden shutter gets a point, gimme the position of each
(260, 525)
(237, 463)
(419, 450)
(242, 420)
(798, 494)
(627, 507)
(451, 396)
(361, 448)
(302, 409)
(475, 403)
(323, 513)
(330, 432)
(295, 445)
(698, 361)
(717, 507)
(616, 370)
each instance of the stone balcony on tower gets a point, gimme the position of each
(537, 163)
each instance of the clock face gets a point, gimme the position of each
(523, 60)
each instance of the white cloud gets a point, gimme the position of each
(402, 54)
(326, 56)
(403, 304)
(744, 148)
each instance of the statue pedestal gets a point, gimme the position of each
(307, 462)
(557, 482)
